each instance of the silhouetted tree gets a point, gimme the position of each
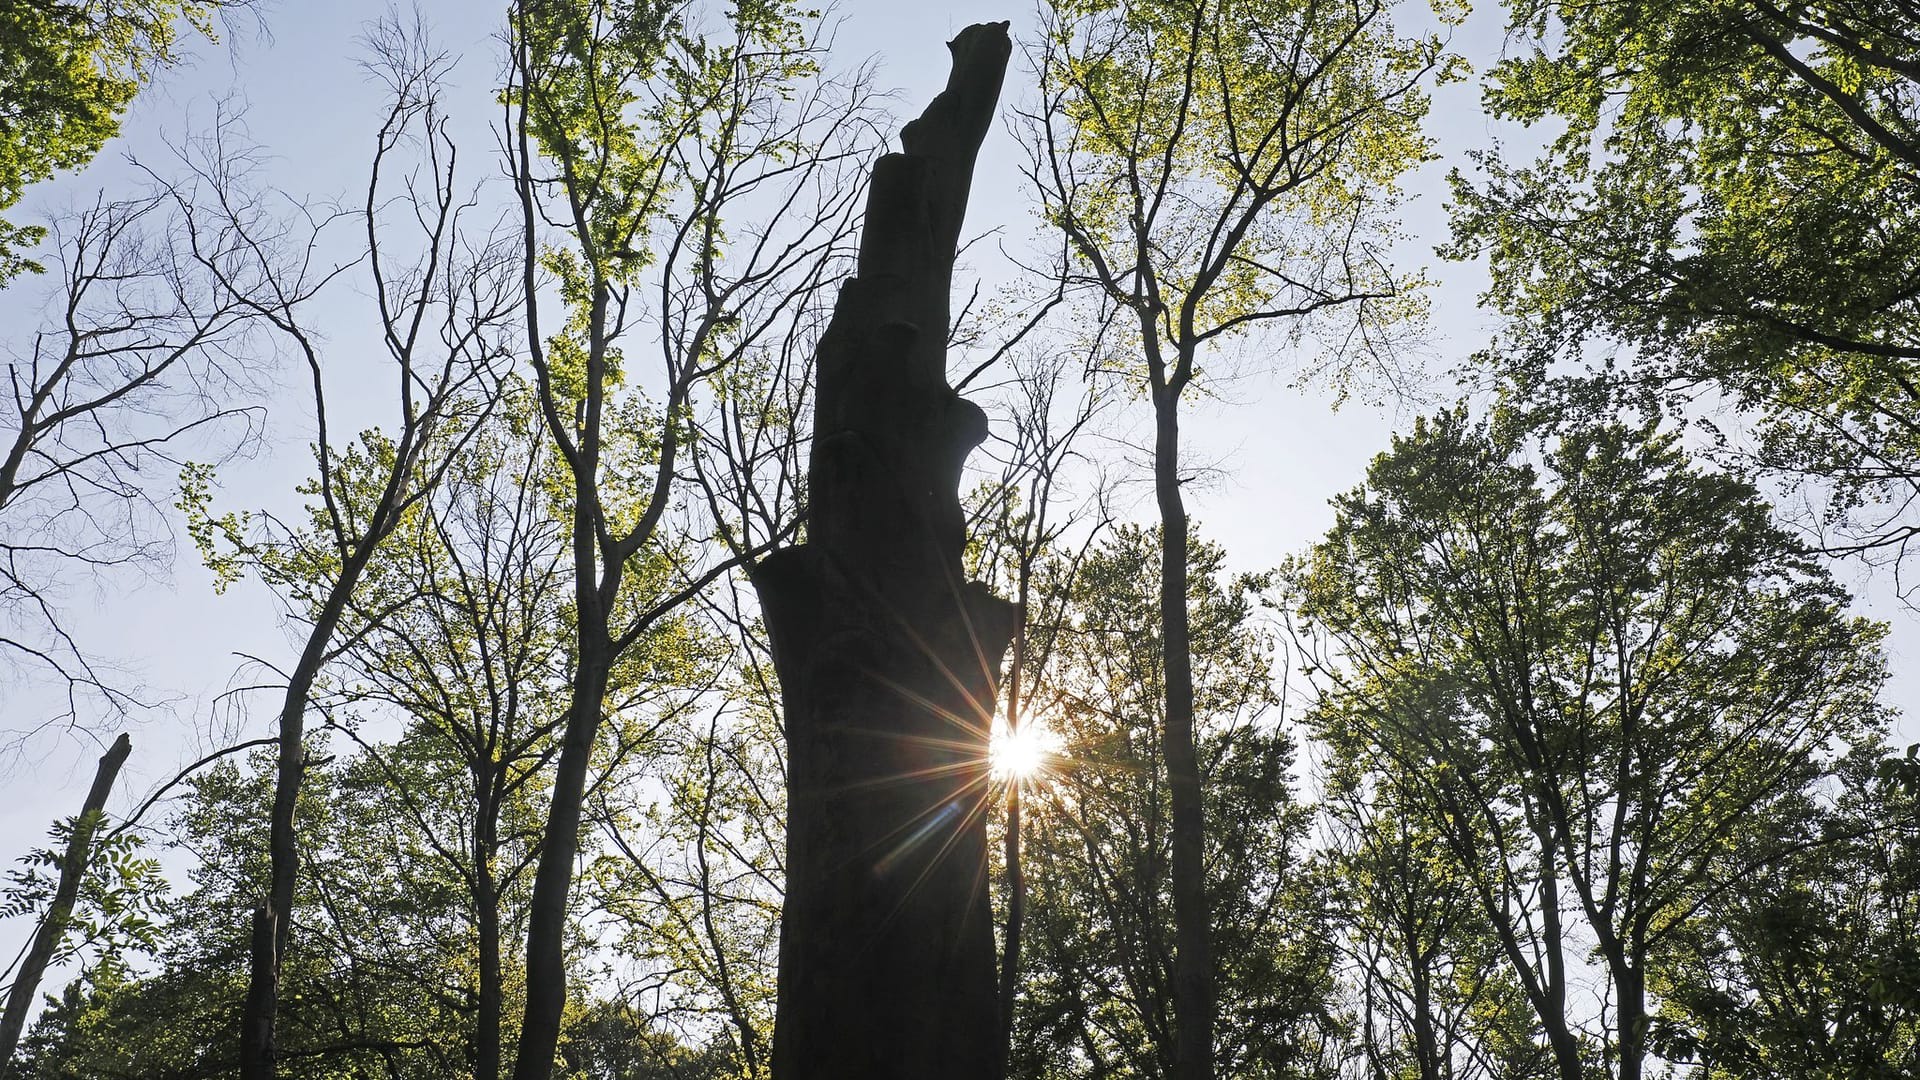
(888, 658)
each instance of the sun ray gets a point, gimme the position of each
(1025, 754)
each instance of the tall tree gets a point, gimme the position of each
(888, 658)
(1733, 199)
(442, 312)
(1101, 948)
(1020, 520)
(1215, 165)
(460, 631)
(694, 180)
(1605, 679)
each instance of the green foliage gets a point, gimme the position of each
(119, 897)
(112, 1022)
(1902, 772)
(1810, 966)
(1099, 935)
(363, 987)
(68, 69)
(1734, 196)
(627, 99)
(1602, 675)
(361, 505)
(1221, 163)
(1429, 994)
(382, 974)
(611, 1041)
(694, 892)
(221, 539)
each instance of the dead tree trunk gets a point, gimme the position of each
(73, 869)
(888, 657)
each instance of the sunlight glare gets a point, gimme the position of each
(1024, 755)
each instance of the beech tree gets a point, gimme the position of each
(441, 312)
(459, 632)
(1216, 166)
(888, 657)
(1098, 992)
(675, 181)
(1429, 992)
(1810, 965)
(1606, 679)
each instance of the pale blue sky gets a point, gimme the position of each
(1281, 452)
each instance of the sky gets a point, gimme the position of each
(1279, 452)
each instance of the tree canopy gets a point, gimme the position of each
(1730, 199)
(742, 600)
(68, 71)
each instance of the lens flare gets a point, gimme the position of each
(1024, 755)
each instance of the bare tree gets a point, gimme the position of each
(149, 350)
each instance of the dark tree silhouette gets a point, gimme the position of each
(888, 658)
(73, 870)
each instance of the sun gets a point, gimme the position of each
(1025, 755)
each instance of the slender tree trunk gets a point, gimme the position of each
(1016, 919)
(553, 879)
(1193, 990)
(486, 903)
(1368, 1038)
(887, 657)
(272, 919)
(1560, 1036)
(1016, 869)
(1426, 1041)
(73, 869)
(598, 570)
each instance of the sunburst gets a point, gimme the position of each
(1025, 754)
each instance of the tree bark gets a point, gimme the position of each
(73, 869)
(888, 658)
(273, 918)
(486, 908)
(560, 846)
(1193, 984)
(1016, 871)
(1630, 1012)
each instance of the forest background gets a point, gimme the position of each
(1277, 452)
(1271, 452)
